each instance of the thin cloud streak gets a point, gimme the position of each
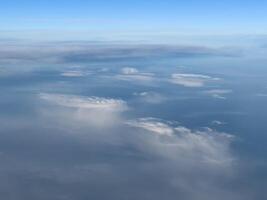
(191, 80)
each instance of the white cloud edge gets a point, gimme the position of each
(74, 73)
(191, 80)
(134, 75)
(218, 93)
(85, 102)
(211, 146)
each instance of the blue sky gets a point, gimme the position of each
(190, 17)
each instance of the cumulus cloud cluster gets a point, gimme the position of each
(206, 146)
(166, 138)
(166, 141)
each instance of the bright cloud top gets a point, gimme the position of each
(85, 102)
(152, 125)
(186, 145)
(88, 111)
(191, 80)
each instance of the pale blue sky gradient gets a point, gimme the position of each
(136, 17)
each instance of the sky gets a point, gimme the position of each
(136, 17)
(133, 100)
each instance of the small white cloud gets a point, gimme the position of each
(191, 80)
(150, 97)
(152, 125)
(217, 122)
(74, 73)
(136, 77)
(218, 93)
(132, 74)
(129, 70)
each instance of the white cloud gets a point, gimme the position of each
(150, 97)
(183, 146)
(136, 77)
(218, 93)
(129, 70)
(183, 159)
(205, 147)
(217, 122)
(93, 111)
(132, 74)
(74, 73)
(191, 80)
(85, 102)
(152, 125)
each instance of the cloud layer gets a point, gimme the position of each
(82, 52)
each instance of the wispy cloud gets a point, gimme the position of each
(217, 122)
(85, 102)
(218, 93)
(191, 80)
(153, 125)
(261, 95)
(74, 73)
(150, 97)
(85, 51)
(129, 70)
